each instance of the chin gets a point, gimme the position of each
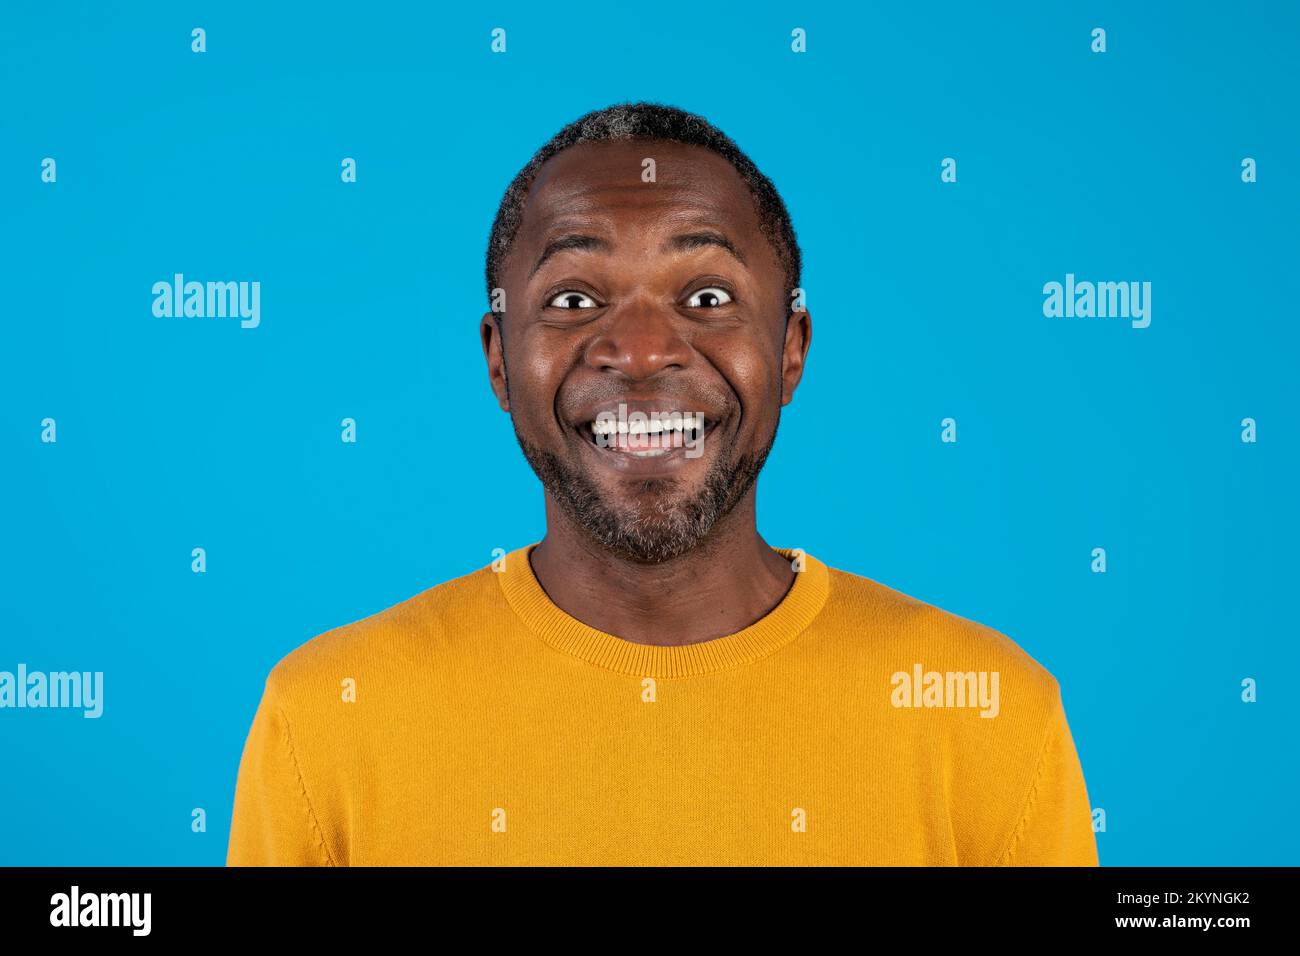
(649, 547)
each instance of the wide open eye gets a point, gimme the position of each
(709, 298)
(573, 300)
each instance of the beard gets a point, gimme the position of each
(668, 526)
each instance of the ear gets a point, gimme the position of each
(798, 336)
(493, 349)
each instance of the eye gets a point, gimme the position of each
(573, 300)
(709, 298)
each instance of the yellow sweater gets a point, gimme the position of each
(476, 723)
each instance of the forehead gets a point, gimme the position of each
(600, 184)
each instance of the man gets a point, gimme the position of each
(653, 683)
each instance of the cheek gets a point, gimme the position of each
(537, 368)
(752, 368)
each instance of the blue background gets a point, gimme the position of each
(926, 301)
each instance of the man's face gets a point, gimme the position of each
(660, 297)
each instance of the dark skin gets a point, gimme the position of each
(632, 313)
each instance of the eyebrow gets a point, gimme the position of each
(686, 242)
(689, 242)
(564, 243)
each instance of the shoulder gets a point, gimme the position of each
(964, 694)
(385, 641)
(902, 631)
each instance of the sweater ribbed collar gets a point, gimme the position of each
(780, 626)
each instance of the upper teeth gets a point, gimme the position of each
(608, 426)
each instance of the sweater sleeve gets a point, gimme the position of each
(273, 823)
(1055, 828)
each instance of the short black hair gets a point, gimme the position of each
(648, 121)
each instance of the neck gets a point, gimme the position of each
(728, 581)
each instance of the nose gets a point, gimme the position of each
(639, 339)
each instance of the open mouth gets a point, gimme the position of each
(658, 435)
